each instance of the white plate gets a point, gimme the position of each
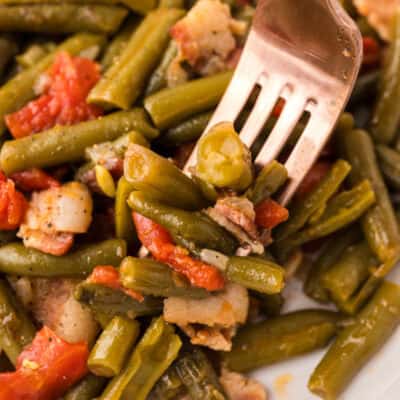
(378, 380)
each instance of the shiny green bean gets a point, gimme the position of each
(113, 347)
(63, 144)
(124, 81)
(170, 107)
(143, 169)
(61, 18)
(357, 343)
(16, 259)
(32, 55)
(389, 163)
(155, 352)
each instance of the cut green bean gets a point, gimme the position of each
(195, 227)
(87, 389)
(268, 182)
(389, 163)
(123, 82)
(329, 256)
(199, 377)
(356, 344)
(68, 143)
(113, 347)
(170, 107)
(118, 44)
(61, 18)
(379, 223)
(223, 160)
(124, 227)
(108, 302)
(143, 169)
(20, 89)
(280, 338)
(16, 330)
(257, 274)
(351, 270)
(386, 117)
(187, 131)
(153, 278)
(155, 352)
(303, 209)
(16, 259)
(32, 55)
(158, 79)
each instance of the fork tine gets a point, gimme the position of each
(306, 151)
(261, 111)
(287, 121)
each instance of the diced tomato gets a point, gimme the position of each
(46, 369)
(313, 178)
(107, 275)
(160, 244)
(372, 51)
(12, 205)
(34, 179)
(269, 214)
(64, 99)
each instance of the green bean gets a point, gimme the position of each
(356, 344)
(386, 117)
(123, 82)
(16, 329)
(63, 144)
(280, 338)
(257, 274)
(16, 259)
(143, 169)
(209, 192)
(168, 387)
(195, 227)
(199, 377)
(32, 55)
(365, 88)
(271, 305)
(349, 272)
(8, 49)
(61, 18)
(223, 160)
(87, 389)
(118, 44)
(341, 211)
(108, 302)
(19, 90)
(158, 79)
(150, 277)
(124, 227)
(325, 261)
(155, 352)
(268, 182)
(187, 131)
(379, 223)
(302, 210)
(113, 347)
(169, 107)
(389, 163)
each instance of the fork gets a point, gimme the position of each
(307, 52)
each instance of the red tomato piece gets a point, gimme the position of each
(12, 205)
(46, 369)
(269, 214)
(107, 275)
(372, 51)
(160, 244)
(34, 179)
(64, 99)
(313, 178)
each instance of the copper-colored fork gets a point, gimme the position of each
(307, 52)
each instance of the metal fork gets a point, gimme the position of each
(307, 52)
